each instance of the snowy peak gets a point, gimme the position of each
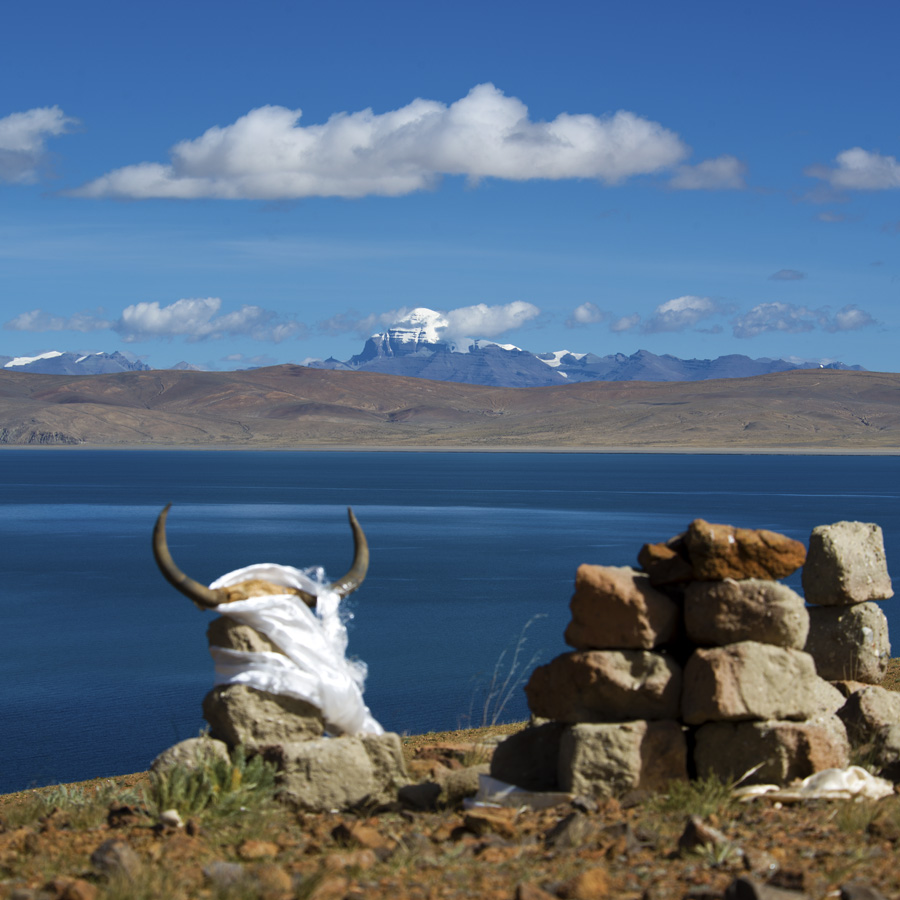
(54, 362)
(420, 326)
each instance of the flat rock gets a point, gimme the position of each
(867, 711)
(604, 760)
(849, 642)
(747, 681)
(846, 564)
(787, 750)
(238, 714)
(342, 772)
(726, 612)
(616, 607)
(606, 686)
(717, 552)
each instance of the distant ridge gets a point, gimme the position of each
(298, 407)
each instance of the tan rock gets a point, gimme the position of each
(717, 552)
(846, 564)
(849, 642)
(667, 562)
(608, 759)
(192, 753)
(606, 686)
(726, 612)
(616, 607)
(225, 632)
(342, 772)
(787, 750)
(868, 710)
(746, 681)
(238, 714)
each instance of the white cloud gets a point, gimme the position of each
(787, 275)
(482, 321)
(625, 323)
(786, 317)
(860, 170)
(850, 318)
(479, 321)
(720, 174)
(22, 137)
(266, 154)
(586, 314)
(38, 320)
(680, 313)
(194, 319)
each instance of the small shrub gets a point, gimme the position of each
(218, 786)
(699, 797)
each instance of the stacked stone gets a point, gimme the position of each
(695, 665)
(315, 772)
(845, 573)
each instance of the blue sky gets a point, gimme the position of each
(235, 184)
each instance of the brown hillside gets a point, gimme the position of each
(296, 407)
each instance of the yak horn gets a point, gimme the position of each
(354, 578)
(199, 593)
(209, 599)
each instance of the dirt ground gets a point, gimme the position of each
(59, 844)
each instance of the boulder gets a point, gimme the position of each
(717, 552)
(867, 711)
(726, 612)
(846, 564)
(238, 714)
(787, 750)
(616, 607)
(849, 642)
(340, 773)
(606, 686)
(190, 754)
(529, 758)
(605, 760)
(747, 681)
(666, 563)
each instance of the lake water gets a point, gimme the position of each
(105, 665)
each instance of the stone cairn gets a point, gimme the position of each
(315, 772)
(703, 663)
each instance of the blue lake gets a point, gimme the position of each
(105, 665)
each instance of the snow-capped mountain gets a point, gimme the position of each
(417, 347)
(55, 362)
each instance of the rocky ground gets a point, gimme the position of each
(102, 840)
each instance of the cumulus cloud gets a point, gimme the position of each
(22, 141)
(787, 275)
(680, 314)
(720, 174)
(267, 155)
(483, 321)
(193, 319)
(766, 318)
(586, 314)
(860, 170)
(625, 323)
(479, 321)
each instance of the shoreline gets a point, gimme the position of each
(662, 450)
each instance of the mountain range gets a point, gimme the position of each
(419, 346)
